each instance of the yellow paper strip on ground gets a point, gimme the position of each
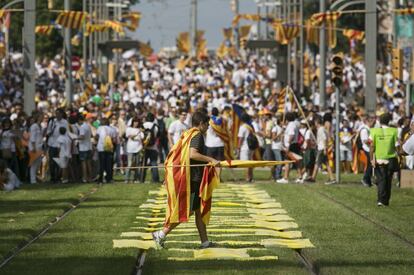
(229, 204)
(276, 218)
(157, 201)
(264, 205)
(151, 206)
(267, 212)
(276, 225)
(220, 253)
(262, 258)
(228, 242)
(151, 219)
(142, 235)
(294, 244)
(134, 244)
(263, 232)
(260, 200)
(192, 250)
(280, 234)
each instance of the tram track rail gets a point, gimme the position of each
(45, 229)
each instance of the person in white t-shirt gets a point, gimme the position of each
(35, 145)
(105, 157)
(277, 135)
(363, 133)
(291, 145)
(134, 147)
(85, 148)
(177, 128)
(243, 148)
(64, 144)
(214, 144)
(52, 133)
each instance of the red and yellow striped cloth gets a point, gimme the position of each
(238, 17)
(44, 29)
(354, 34)
(285, 33)
(177, 182)
(116, 26)
(223, 133)
(71, 19)
(281, 101)
(91, 28)
(133, 18)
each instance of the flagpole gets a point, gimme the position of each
(68, 59)
(84, 42)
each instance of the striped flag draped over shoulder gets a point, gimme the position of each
(221, 130)
(71, 19)
(236, 115)
(177, 182)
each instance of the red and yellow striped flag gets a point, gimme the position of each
(354, 34)
(133, 18)
(281, 101)
(183, 42)
(177, 182)
(44, 29)
(116, 26)
(71, 19)
(318, 18)
(312, 33)
(238, 17)
(285, 33)
(91, 28)
(223, 133)
(145, 49)
(406, 11)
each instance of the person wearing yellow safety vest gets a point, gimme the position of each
(383, 156)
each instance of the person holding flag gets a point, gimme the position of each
(218, 141)
(189, 188)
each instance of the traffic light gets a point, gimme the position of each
(337, 67)
(397, 63)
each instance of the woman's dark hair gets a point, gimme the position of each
(214, 112)
(245, 118)
(290, 116)
(198, 118)
(150, 117)
(385, 119)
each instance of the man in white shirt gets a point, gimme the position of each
(277, 134)
(290, 145)
(105, 157)
(35, 145)
(85, 148)
(243, 147)
(177, 128)
(52, 133)
(363, 132)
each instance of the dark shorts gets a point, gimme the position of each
(309, 158)
(295, 148)
(195, 200)
(85, 155)
(215, 152)
(321, 158)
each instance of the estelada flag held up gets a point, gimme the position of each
(71, 19)
(133, 18)
(219, 126)
(330, 19)
(177, 182)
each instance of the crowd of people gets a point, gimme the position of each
(130, 125)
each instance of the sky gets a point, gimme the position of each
(162, 20)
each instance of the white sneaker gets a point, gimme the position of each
(305, 176)
(158, 240)
(282, 181)
(299, 180)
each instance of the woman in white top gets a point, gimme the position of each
(133, 148)
(8, 145)
(35, 145)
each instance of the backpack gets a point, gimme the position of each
(252, 141)
(149, 136)
(108, 144)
